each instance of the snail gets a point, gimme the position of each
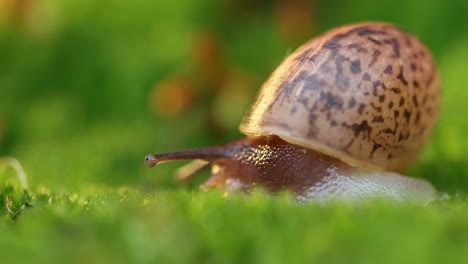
(340, 117)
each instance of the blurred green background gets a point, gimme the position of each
(88, 88)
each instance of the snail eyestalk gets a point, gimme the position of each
(207, 154)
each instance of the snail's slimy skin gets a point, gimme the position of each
(276, 165)
(361, 185)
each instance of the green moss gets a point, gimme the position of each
(125, 225)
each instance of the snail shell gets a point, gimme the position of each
(367, 94)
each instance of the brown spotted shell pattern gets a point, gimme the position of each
(367, 94)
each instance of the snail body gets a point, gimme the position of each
(340, 117)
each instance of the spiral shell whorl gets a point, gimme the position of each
(367, 93)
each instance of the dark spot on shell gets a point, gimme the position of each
(333, 123)
(416, 84)
(396, 113)
(407, 115)
(387, 131)
(374, 40)
(364, 31)
(358, 128)
(374, 149)
(390, 105)
(400, 137)
(293, 109)
(375, 56)
(340, 58)
(418, 117)
(390, 131)
(395, 46)
(377, 108)
(342, 81)
(313, 129)
(334, 43)
(313, 82)
(401, 77)
(402, 101)
(388, 69)
(361, 108)
(407, 135)
(339, 69)
(285, 126)
(389, 156)
(413, 66)
(382, 98)
(332, 100)
(288, 85)
(351, 102)
(395, 90)
(376, 84)
(378, 119)
(415, 100)
(358, 48)
(355, 66)
(304, 100)
(366, 77)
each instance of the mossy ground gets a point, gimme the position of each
(121, 225)
(76, 79)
